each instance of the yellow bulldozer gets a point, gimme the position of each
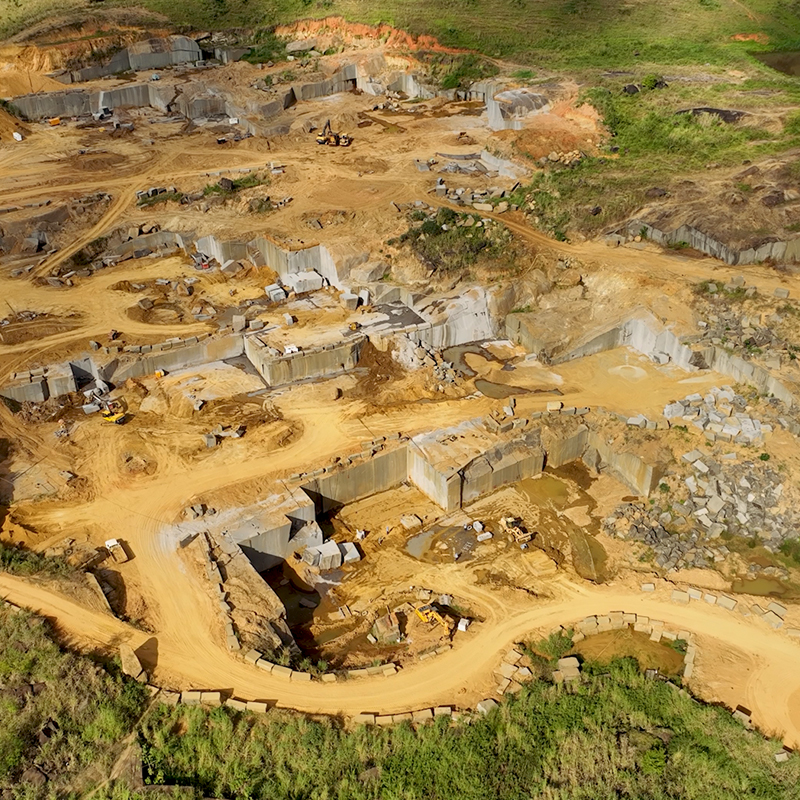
(429, 613)
(329, 137)
(115, 411)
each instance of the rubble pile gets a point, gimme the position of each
(721, 415)
(725, 498)
(480, 199)
(725, 416)
(751, 335)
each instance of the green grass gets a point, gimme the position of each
(92, 708)
(561, 33)
(18, 560)
(615, 734)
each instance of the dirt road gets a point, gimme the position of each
(457, 677)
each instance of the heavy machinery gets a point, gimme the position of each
(354, 326)
(115, 411)
(116, 549)
(429, 613)
(329, 137)
(513, 525)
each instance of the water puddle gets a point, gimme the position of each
(499, 391)
(455, 355)
(606, 646)
(443, 544)
(787, 62)
(588, 556)
(761, 587)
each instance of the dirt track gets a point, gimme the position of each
(773, 690)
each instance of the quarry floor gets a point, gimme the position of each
(135, 481)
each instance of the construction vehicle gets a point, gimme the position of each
(513, 526)
(115, 411)
(354, 326)
(429, 613)
(329, 137)
(117, 551)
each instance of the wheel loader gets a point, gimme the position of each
(331, 138)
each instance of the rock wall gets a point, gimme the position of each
(643, 335)
(150, 242)
(770, 251)
(457, 319)
(379, 473)
(486, 475)
(562, 447)
(746, 372)
(444, 488)
(628, 467)
(318, 362)
(150, 54)
(187, 354)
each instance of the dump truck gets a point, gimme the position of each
(429, 613)
(117, 551)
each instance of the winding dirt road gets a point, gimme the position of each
(773, 689)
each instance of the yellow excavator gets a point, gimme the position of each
(331, 138)
(428, 613)
(115, 411)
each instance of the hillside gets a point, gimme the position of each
(559, 33)
(66, 721)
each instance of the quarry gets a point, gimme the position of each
(316, 388)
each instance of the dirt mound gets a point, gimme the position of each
(14, 82)
(95, 162)
(351, 32)
(8, 125)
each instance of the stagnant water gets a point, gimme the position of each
(787, 62)
(555, 533)
(761, 587)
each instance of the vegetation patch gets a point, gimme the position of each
(227, 187)
(613, 734)
(59, 713)
(19, 560)
(447, 241)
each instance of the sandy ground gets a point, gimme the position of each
(138, 479)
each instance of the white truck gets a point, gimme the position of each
(117, 551)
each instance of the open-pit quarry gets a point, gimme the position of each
(329, 421)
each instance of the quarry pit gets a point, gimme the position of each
(325, 431)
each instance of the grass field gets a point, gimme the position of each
(554, 33)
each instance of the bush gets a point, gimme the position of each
(791, 549)
(266, 47)
(442, 245)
